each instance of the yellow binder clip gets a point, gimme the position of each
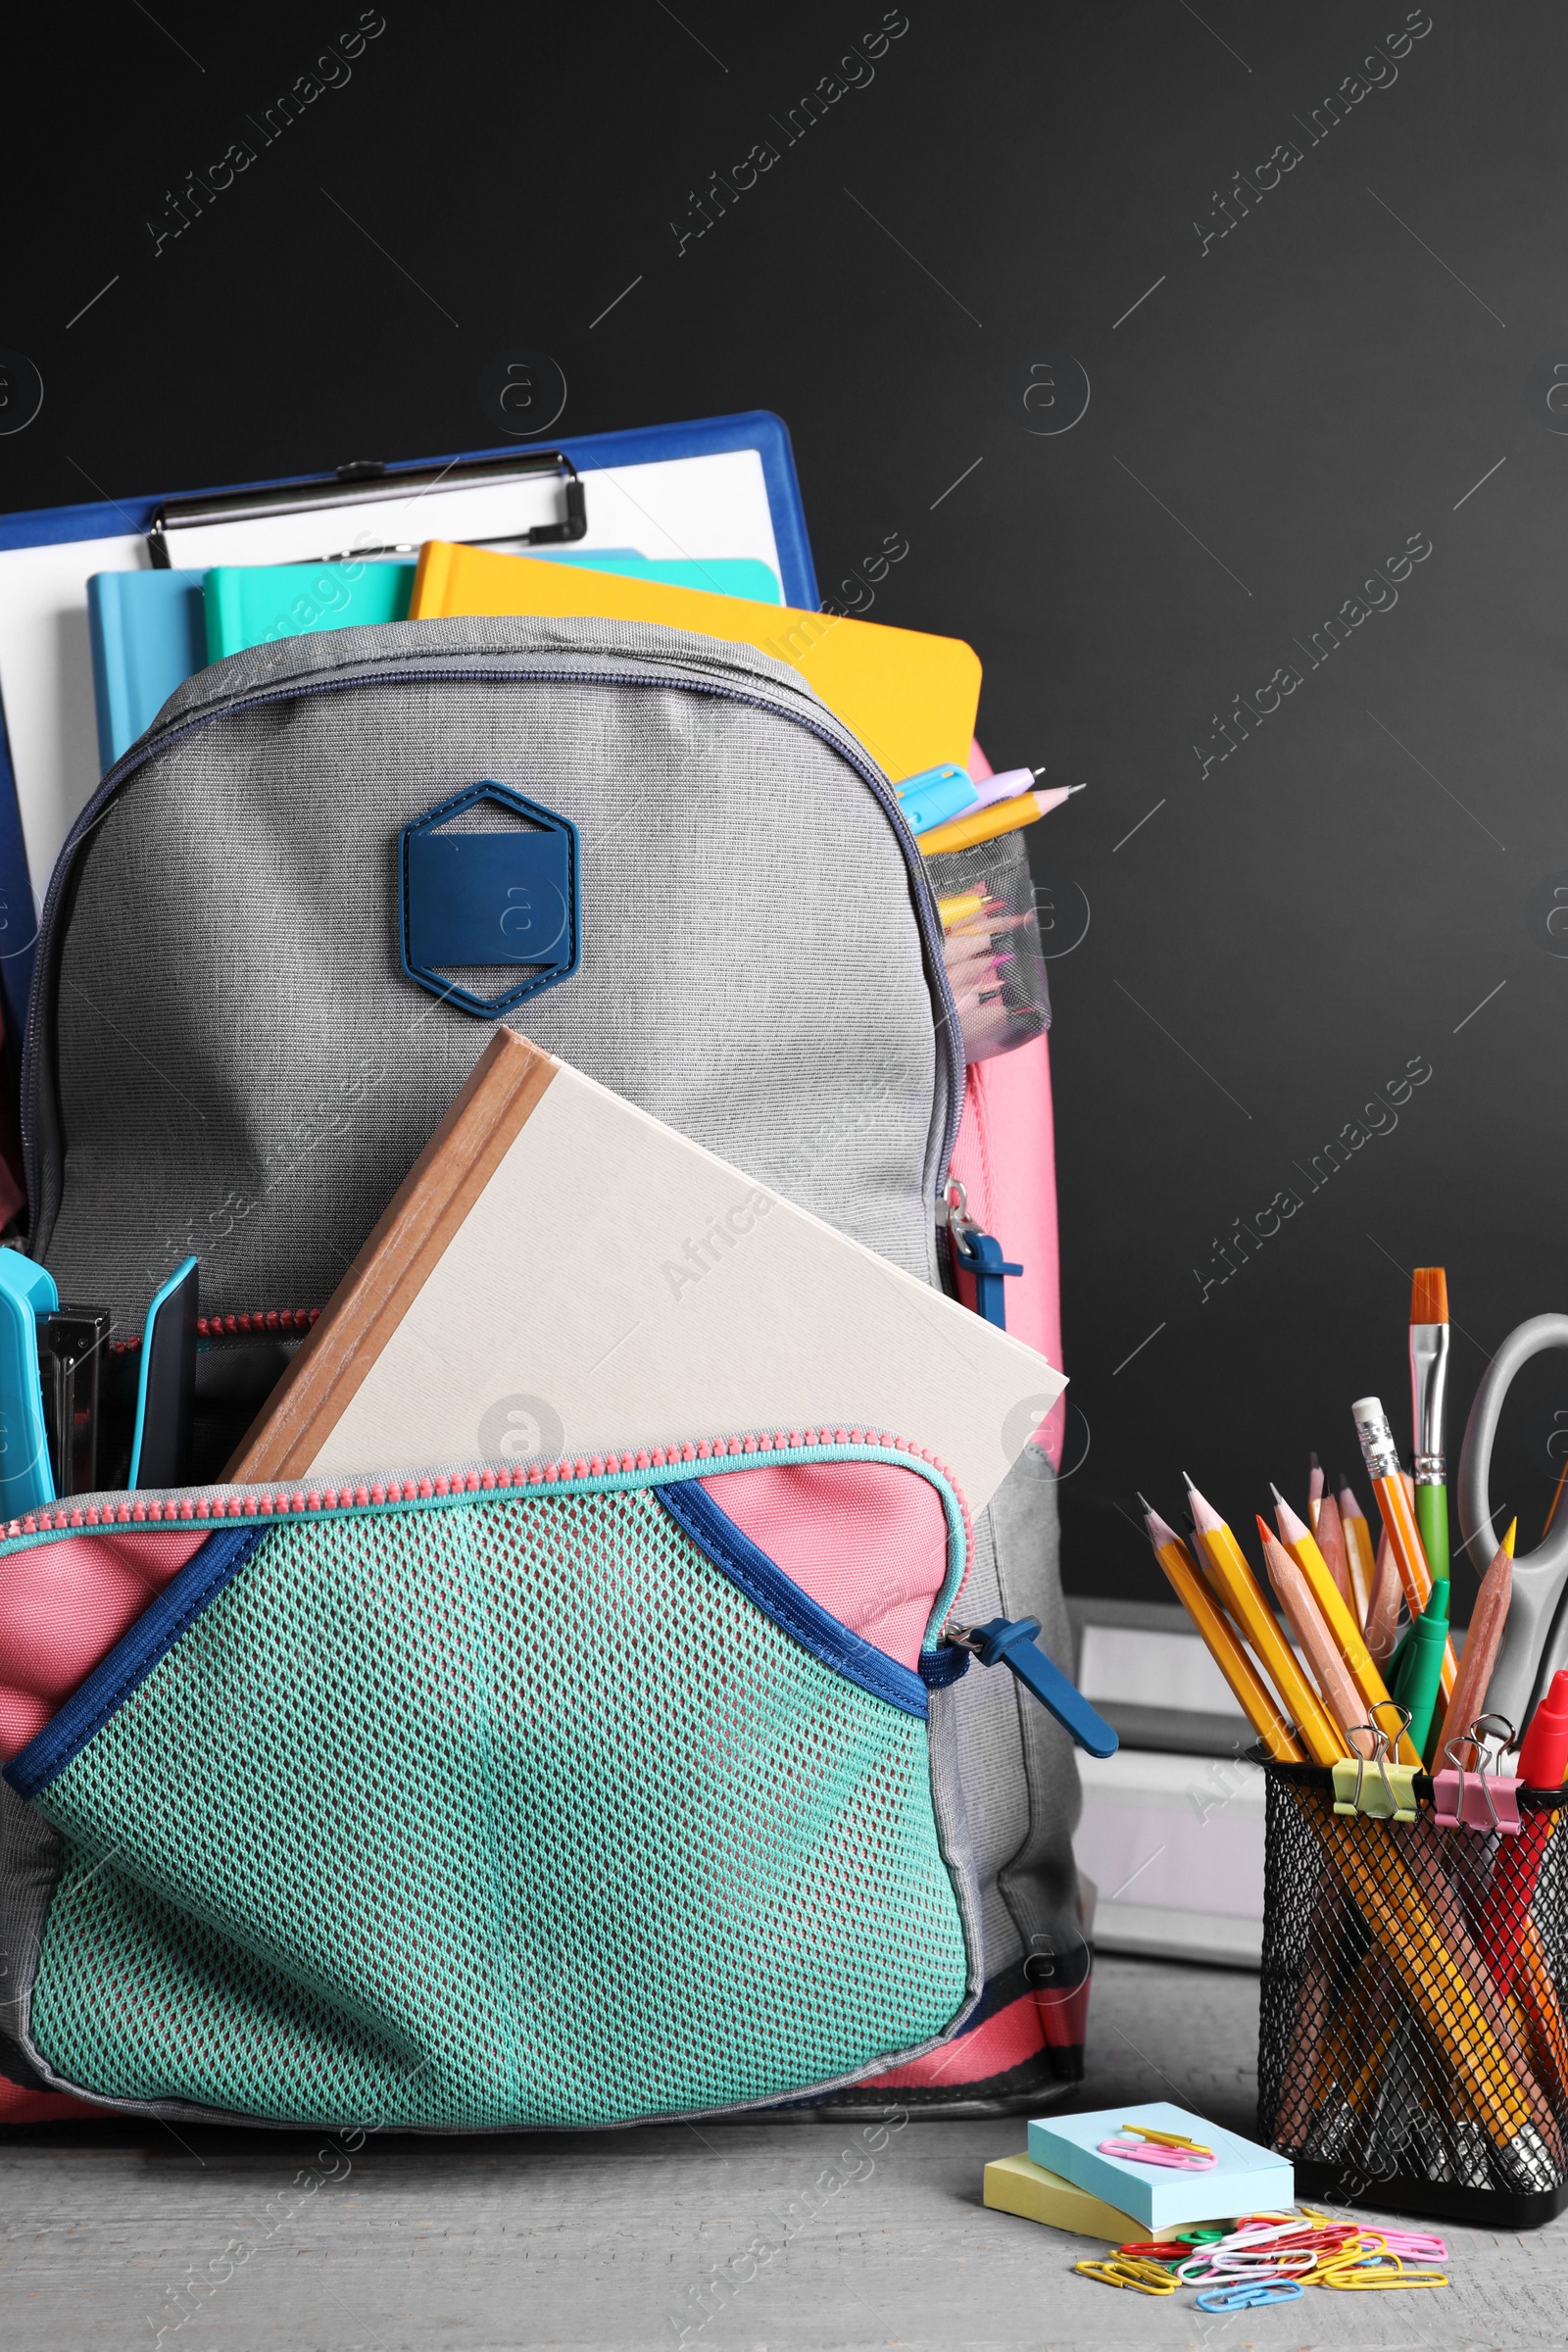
(1391, 1797)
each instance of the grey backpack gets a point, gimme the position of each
(247, 1018)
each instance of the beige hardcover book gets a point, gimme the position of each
(1017, 2184)
(561, 1273)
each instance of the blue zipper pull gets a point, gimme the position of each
(977, 1254)
(1010, 1641)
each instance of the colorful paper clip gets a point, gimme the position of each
(1121, 2270)
(1251, 2294)
(1416, 2245)
(1219, 2264)
(1479, 1799)
(1364, 2272)
(1186, 2156)
(1168, 2139)
(1392, 1796)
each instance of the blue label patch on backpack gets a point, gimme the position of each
(506, 895)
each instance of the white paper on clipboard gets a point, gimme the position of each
(703, 507)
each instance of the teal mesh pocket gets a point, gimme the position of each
(507, 1814)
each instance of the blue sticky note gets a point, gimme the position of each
(1248, 2179)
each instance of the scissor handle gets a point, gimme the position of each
(1537, 1578)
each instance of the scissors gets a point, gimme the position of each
(1534, 1639)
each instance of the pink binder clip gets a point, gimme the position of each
(1478, 1800)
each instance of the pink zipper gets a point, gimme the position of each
(227, 1327)
(246, 1503)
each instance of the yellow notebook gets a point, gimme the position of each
(1016, 2185)
(911, 699)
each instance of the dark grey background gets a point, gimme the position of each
(1372, 340)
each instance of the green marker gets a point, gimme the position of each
(1417, 1665)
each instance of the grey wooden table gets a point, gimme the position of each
(775, 2236)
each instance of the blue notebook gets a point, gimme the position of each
(253, 603)
(149, 635)
(152, 630)
(1248, 2179)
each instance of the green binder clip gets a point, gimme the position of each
(1391, 1797)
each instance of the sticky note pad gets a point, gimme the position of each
(1017, 2184)
(1246, 2178)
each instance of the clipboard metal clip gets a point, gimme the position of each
(368, 483)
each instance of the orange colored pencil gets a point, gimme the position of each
(1382, 1460)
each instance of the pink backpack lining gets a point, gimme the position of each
(63, 1607)
(1005, 1158)
(867, 1542)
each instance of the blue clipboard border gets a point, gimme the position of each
(647, 445)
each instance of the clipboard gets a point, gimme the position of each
(36, 814)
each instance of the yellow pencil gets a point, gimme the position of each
(1251, 1694)
(985, 824)
(1256, 1618)
(1302, 1547)
(1318, 1646)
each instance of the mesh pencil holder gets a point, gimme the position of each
(1412, 2045)
(996, 964)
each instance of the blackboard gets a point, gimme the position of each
(1211, 365)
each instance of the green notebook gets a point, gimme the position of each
(252, 604)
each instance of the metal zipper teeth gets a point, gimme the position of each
(430, 1487)
(946, 1023)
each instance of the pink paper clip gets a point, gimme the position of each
(1137, 2151)
(1416, 2245)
